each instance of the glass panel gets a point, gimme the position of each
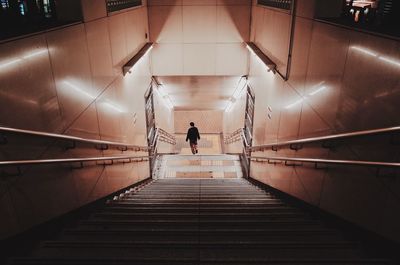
(116, 5)
(21, 17)
(380, 16)
(282, 4)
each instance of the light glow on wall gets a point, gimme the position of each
(114, 107)
(294, 103)
(317, 91)
(390, 61)
(14, 61)
(76, 88)
(385, 59)
(164, 96)
(240, 88)
(311, 94)
(363, 50)
(109, 104)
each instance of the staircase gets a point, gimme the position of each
(199, 221)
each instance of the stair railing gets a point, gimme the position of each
(166, 137)
(121, 159)
(160, 135)
(234, 137)
(325, 140)
(318, 162)
(246, 156)
(98, 144)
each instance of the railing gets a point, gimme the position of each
(246, 155)
(237, 136)
(123, 159)
(316, 162)
(234, 137)
(297, 144)
(166, 137)
(99, 144)
(160, 135)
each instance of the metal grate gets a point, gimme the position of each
(282, 4)
(116, 5)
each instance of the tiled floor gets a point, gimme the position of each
(208, 144)
(200, 166)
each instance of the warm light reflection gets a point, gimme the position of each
(229, 106)
(311, 94)
(18, 98)
(110, 105)
(114, 107)
(385, 59)
(363, 50)
(294, 103)
(240, 88)
(15, 61)
(317, 91)
(391, 61)
(76, 88)
(164, 96)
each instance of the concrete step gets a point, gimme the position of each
(197, 196)
(155, 261)
(162, 235)
(252, 204)
(200, 216)
(203, 209)
(195, 224)
(193, 249)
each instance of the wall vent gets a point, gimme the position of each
(281, 4)
(117, 5)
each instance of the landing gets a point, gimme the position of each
(200, 166)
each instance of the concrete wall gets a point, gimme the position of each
(199, 37)
(69, 81)
(341, 81)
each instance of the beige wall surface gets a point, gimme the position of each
(207, 121)
(199, 37)
(340, 81)
(70, 81)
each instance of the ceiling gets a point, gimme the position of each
(198, 92)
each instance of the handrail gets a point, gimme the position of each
(246, 144)
(325, 138)
(67, 160)
(166, 137)
(74, 138)
(327, 161)
(237, 136)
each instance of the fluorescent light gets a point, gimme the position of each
(229, 106)
(317, 91)
(168, 102)
(34, 54)
(14, 61)
(114, 107)
(248, 47)
(79, 90)
(389, 60)
(240, 88)
(17, 60)
(136, 58)
(252, 47)
(365, 51)
(294, 103)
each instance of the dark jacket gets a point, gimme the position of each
(193, 134)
